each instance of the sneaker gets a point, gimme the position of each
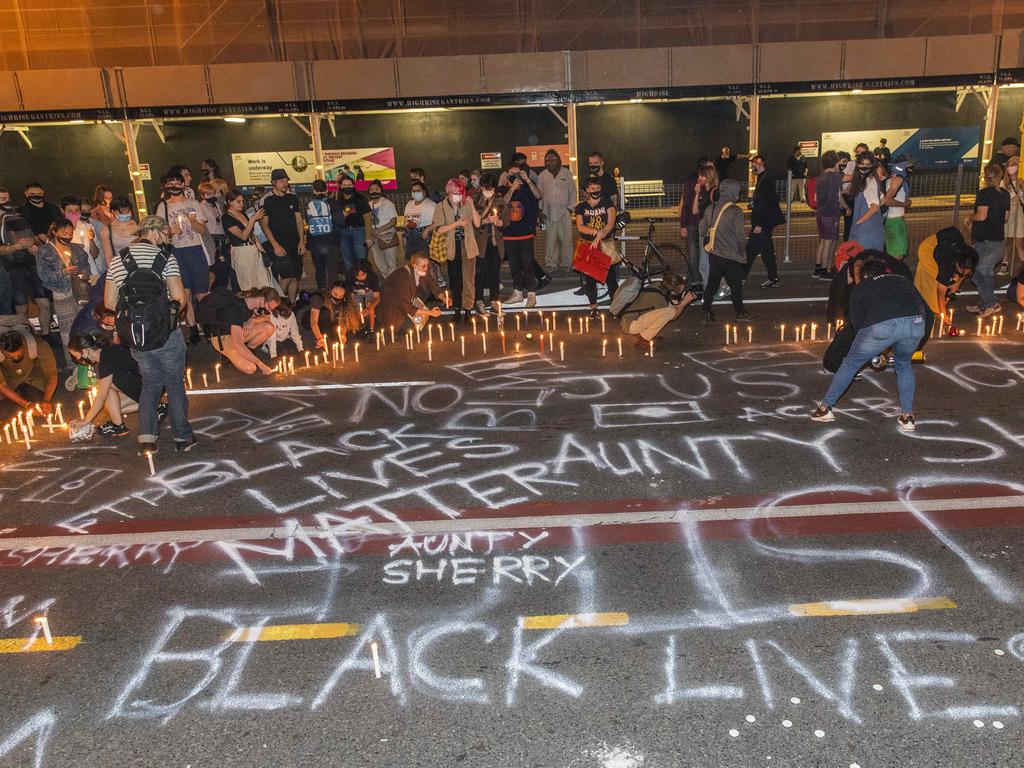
(531, 299)
(71, 382)
(989, 311)
(515, 298)
(818, 272)
(594, 314)
(110, 429)
(161, 412)
(709, 319)
(184, 446)
(193, 337)
(905, 423)
(745, 317)
(1003, 269)
(770, 283)
(918, 357)
(723, 293)
(147, 449)
(973, 308)
(579, 292)
(544, 281)
(481, 308)
(822, 413)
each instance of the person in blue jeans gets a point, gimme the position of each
(988, 230)
(888, 313)
(353, 219)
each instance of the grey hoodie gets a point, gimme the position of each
(730, 242)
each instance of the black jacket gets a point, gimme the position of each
(764, 205)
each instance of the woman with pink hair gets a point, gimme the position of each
(456, 219)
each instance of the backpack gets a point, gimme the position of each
(143, 316)
(812, 193)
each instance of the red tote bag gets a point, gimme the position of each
(591, 261)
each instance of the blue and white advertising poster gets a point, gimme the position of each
(934, 148)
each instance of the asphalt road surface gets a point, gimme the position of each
(489, 560)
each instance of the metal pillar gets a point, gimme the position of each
(570, 129)
(316, 143)
(992, 108)
(753, 137)
(131, 131)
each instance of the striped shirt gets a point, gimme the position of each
(144, 254)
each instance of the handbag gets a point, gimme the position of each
(608, 249)
(439, 248)
(591, 261)
(709, 237)
(387, 244)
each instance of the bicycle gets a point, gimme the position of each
(658, 258)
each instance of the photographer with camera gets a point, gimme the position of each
(522, 210)
(657, 305)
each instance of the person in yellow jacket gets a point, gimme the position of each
(944, 261)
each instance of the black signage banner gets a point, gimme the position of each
(218, 110)
(61, 115)
(873, 84)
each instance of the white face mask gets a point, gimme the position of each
(417, 196)
(456, 198)
(475, 182)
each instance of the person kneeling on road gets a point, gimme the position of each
(887, 311)
(237, 328)
(656, 306)
(26, 380)
(405, 293)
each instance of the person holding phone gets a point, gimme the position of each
(182, 215)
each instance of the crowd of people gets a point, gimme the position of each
(227, 266)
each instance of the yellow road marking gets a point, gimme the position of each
(557, 620)
(28, 645)
(293, 632)
(871, 606)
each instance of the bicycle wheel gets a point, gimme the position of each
(666, 257)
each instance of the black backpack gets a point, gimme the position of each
(143, 316)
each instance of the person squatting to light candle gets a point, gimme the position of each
(240, 325)
(410, 295)
(334, 312)
(119, 382)
(28, 373)
(887, 313)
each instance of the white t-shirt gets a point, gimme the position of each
(384, 214)
(895, 212)
(177, 213)
(420, 214)
(871, 196)
(210, 215)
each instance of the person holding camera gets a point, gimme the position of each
(522, 201)
(657, 305)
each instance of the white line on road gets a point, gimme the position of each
(532, 521)
(310, 387)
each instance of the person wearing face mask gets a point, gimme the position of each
(210, 170)
(558, 198)
(765, 215)
(186, 176)
(418, 174)
(39, 215)
(384, 241)
(100, 217)
(187, 230)
(124, 226)
(84, 236)
(6, 204)
(63, 269)
(247, 254)
(865, 189)
(595, 221)
(27, 380)
(473, 188)
(162, 368)
(419, 214)
(323, 237)
(352, 219)
(1015, 216)
(456, 219)
(211, 213)
(521, 214)
(490, 208)
(404, 296)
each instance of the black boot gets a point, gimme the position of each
(193, 337)
(709, 318)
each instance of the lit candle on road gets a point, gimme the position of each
(561, 350)
(188, 377)
(430, 350)
(392, 334)
(652, 347)
(152, 469)
(1000, 331)
(619, 342)
(829, 331)
(378, 342)
(503, 342)
(483, 338)
(60, 415)
(430, 334)
(814, 331)
(451, 327)
(782, 333)
(750, 334)
(473, 321)
(517, 323)
(487, 324)
(356, 348)
(462, 340)
(735, 334)
(206, 383)
(81, 409)
(307, 358)
(342, 356)
(602, 323)
(216, 372)
(727, 334)
(554, 320)
(979, 326)
(604, 347)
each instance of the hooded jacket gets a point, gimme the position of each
(730, 242)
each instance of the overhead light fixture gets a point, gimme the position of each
(635, 101)
(77, 122)
(857, 90)
(234, 119)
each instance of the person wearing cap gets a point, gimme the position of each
(1008, 147)
(164, 368)
(285, 233)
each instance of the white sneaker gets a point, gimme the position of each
(515, 298)
(822, 414)
(973, 308)
(531, 300)
(905, 423)
(481, 308)
(989, 311)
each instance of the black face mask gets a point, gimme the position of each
(347, 191)
(319, 195)
(865, 171)
(210, 199)
(6, 207)
(374, 195)
(174, 191)
(35, 198)
(594, 195)
(595, 169)
(65, 240)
